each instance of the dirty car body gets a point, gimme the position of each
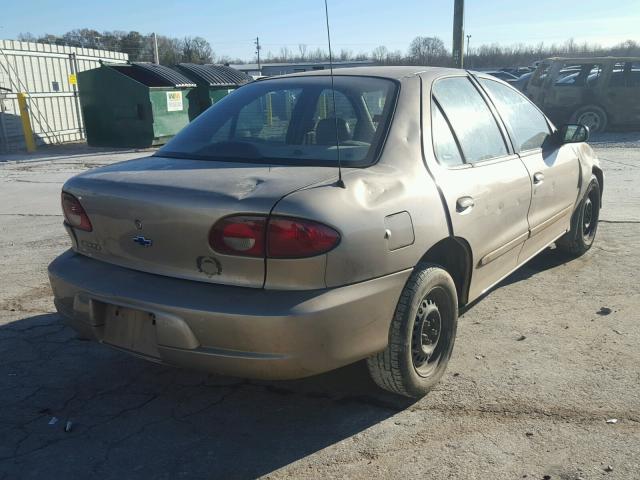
(235, 250)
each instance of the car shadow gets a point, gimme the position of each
(129, 418)
(545, 260)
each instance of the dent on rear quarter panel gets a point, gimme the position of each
(398, 183)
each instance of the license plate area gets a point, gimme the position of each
(131, 329)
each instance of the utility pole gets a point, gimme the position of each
(156, 57)
(458, 34)
(468, 52)
(258, 47)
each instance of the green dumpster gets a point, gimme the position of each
(213, 83)
(134, 104)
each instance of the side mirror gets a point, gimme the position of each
(573, 133)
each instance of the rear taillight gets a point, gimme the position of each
(276, 237)
(74, 214)
(240, 235)
(296, 238)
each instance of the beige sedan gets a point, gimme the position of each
(301, 224)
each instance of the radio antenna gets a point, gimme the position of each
(340, 183)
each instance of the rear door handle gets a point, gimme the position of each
(538, 178)
(464, 204)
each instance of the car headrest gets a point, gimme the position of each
(326, 131)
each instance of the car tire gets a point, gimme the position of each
(584, 222)
(591, 116)
(421, 335)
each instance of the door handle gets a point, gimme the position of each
(464, 204)
(538, 178)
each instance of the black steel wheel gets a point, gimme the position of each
(584, 223)
(421, 335)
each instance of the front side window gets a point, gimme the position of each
(471, 119)
(527, 125)
(292, 121)
(578, 75)
(540, 75)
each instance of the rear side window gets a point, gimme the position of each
(527, 125)
(625, 74)
(473, 123)
(444, 144)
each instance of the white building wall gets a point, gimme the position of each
(42, 72)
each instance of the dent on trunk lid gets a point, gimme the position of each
(177, 202)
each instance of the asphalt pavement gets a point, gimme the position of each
(544, 379)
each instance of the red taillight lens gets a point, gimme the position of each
(285, 237)
(240, 235)
(296, 238)
(74, 214)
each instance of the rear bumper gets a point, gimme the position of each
(254, 333)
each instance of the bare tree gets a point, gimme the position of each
(196, 50)
(380, 54)
(302, 49)
(345, 55)
(426, 50)
(27, 37)
(285, 54)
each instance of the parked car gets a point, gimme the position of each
(506, 76)
(522, 82)
(596, 92)
(517, 71)
(343, 229)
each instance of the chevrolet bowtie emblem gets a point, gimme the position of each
(143, 242)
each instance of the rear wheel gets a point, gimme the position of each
(591, 116)
(584, 223)
(421, 336)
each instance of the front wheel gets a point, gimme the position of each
(421, 336)
(584, 223)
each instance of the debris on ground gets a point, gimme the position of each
(612, 420)
(520, 338)
(608, 468)
(53, 420)
(604, 311)
(67, 427)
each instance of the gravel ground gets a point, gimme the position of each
(539, 367)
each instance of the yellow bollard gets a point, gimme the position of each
(323, 106)
(26, 123)
(269, 111)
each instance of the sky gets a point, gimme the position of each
(356, 25)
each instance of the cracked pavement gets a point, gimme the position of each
(506, 408)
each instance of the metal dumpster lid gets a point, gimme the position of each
(173, 78)
(217, 75)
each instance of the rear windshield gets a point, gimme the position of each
(293, 121)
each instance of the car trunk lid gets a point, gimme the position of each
(155, 214)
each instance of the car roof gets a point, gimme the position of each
(391, 72)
